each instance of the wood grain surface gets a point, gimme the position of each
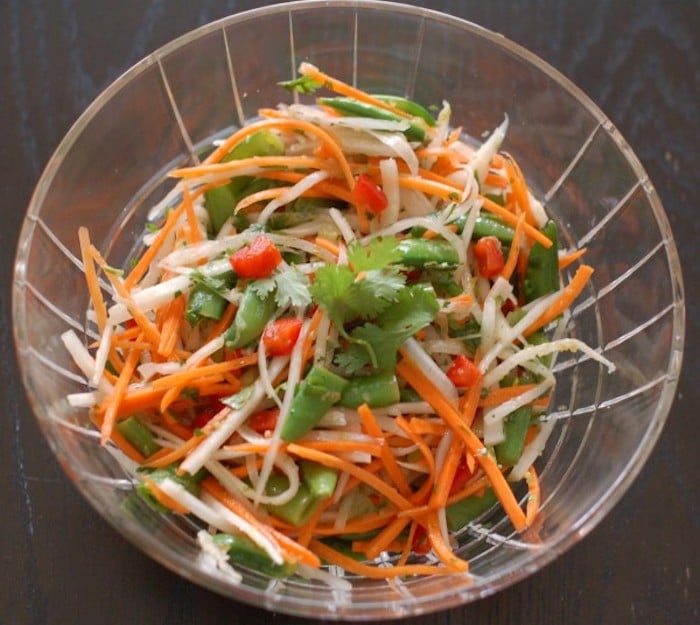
(62, 565)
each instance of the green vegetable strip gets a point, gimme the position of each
(298, 509)
(244, 552)
(138, 435)
(422, 252)
(202, 303)
(542, 275)
(318, 391)
(355, 108)
(251, 317)
(320, 480)
(462, 512)
(408, 106)
(515, 428)
(379, 389)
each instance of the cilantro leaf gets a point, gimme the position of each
(376, 344)
(302, 84)
(379, 253)
(331, 290)
(292, 288)
(219, 285)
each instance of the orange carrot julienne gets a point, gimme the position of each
(533, 495)
(569, 293)
(293, 124)
(163, 498)
(222, 324)
(430, 187)
(174, 313)
(328, 245)
(570, 259)
(512, 220)
(441, 548)
(194, 233)
(519, 187)
(420, 382)
(343, 465)
(93, 284)
(353, 566)
(503, 394)
(514, 252)
(382, 540)
(231, 167)
(369, 422)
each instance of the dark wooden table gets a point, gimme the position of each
(61, 564)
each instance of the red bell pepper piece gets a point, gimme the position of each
(280, 336)
(257, 260)
(489, 256)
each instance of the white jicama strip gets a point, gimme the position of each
(321, 344)
(342, 224)
(398, 144)
(390, 185)
(83, 360)
(415, 204)
(339, 435)
(482, 159)
(537, 210)
(414, 407)
(534, 351)
(431, 369)
(199, 456)
(83, 400)
(153, 274)
(148, 369)
(265, 375)
(444, 346)
(102, 354)
(494, 419)
(270, 547)
(441, 451)
(293, 379)
(218, 558)
(333, 419)
(150, 298)
(532, 451)
(204, 352)
(291, 194)
(413, 466)
(191, 255)
(508, 334)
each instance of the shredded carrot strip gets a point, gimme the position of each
(343, 465)
(571, 258)
(441, 548)
(118, 394)
(234, 166)
(222, 324)
(382, 540)
(498, 396)
(327, 245)
(568, 295)
(421, 426)
(293, 551)
(470, 402)
(373, 572)
(163, 498)
(429, 187)
(194, 233)
(345, 89)
(93, 284)
(512, 220)
(369, 422)
(292, 124)
(325, 188)
(170, 330)
(519, 187)
(514, 252)
(533, 496)
(447, 473)
(188, 375)
(471, 488)
(494, 180)
(420, 382)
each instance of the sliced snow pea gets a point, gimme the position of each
(221, 201)
(186, 480)
(318, 391)
(319, 479)
(203, 303)
(515, 428)
(251, 317)
(421, 252)
(299, 508)
(301, 211)
(466, 510)
(355, 108)
(408, 106)
(244, 552)
(378, 389)
(138, 435)
(542, 274)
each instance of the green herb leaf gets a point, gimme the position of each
(379, 253)
(219, 285)
(303, 84)
(292, 288)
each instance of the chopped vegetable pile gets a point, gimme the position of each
(338, 342)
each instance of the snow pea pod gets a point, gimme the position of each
(138, 435)
(355, 108)
(466, 510)
(542, 274)
(376, 390)
(515, 428)
(318, 391)
(421, 252)
(251, 317)
(483, 227)
(298, 509)
(244, 552)
(408, 106)
(203, 303)
(319, 479)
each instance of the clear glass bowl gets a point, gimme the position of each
(111, 168)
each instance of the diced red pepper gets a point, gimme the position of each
(462, 476)
(280, 336)
(257, 260)
(463, 372)
(264, 421)
(489, 256)
(368, 195)
(206, 413)
(420, 545)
